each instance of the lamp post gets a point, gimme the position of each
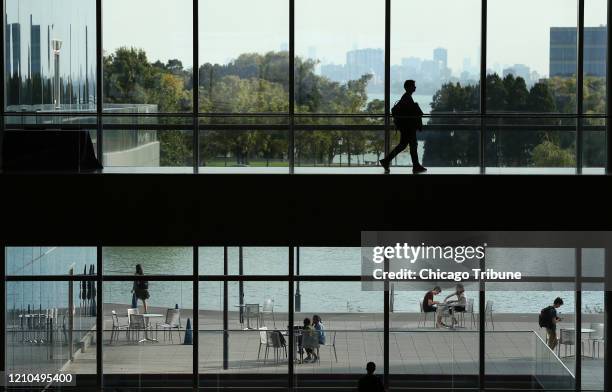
(56, 44)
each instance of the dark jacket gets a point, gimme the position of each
(407, 114)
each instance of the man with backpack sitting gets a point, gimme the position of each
(407, 118)
(548, 319)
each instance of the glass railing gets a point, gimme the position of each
(145, 142)
(550, 372)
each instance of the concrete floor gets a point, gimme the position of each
(511, 348)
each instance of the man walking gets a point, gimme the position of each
(407, 116)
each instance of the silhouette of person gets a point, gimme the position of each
(407, 125)
(370, 382)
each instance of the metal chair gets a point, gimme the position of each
(130, 312)
(597, 337)
(252, 312)
(268, 308)
(423, 316)
(173, 321)
(137, 324)
(333, 346)
(469, 309)
(567, 338)
(273, 341)
(117, 327)
(263, 339)
(310, 340)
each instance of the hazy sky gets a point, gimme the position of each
(518, 29)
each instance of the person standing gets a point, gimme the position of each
(549, 320)
(141, 287)
(407, 116)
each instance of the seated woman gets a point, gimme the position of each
(454, 305)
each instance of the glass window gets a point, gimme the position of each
(340, 58)
(148, 66)
(148, 338)
(516, 344)
(244, 61)
(51, 328)
(595, 48)
(593, 322)
(153, 260)
(438, 47)
(50, 260)
(532, 68)
(245, 260)
(49, 55)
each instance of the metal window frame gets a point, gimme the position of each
(292, 116)
(291, 278)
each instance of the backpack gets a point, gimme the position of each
(142, 285)
(397, 111)
(545, 318)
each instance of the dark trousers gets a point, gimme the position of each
(407, 138)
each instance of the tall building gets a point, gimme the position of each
(518, 70)
(441, 55)
(563, 51)
(365, 61)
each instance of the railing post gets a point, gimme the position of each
(387, 122)
(580, 87)
(608, 87)
(291, 149)
(196, 88)
(578, 311)
(99, 83)
(483, 84)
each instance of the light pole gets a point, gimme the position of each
(56, 44)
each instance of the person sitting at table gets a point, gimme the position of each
(454, 305)
(310, 353)
(319, 327)
(429, 305)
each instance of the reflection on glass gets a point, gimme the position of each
(49, 54)
(50, 327)
(50, 260)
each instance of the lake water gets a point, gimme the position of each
(315, 296)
